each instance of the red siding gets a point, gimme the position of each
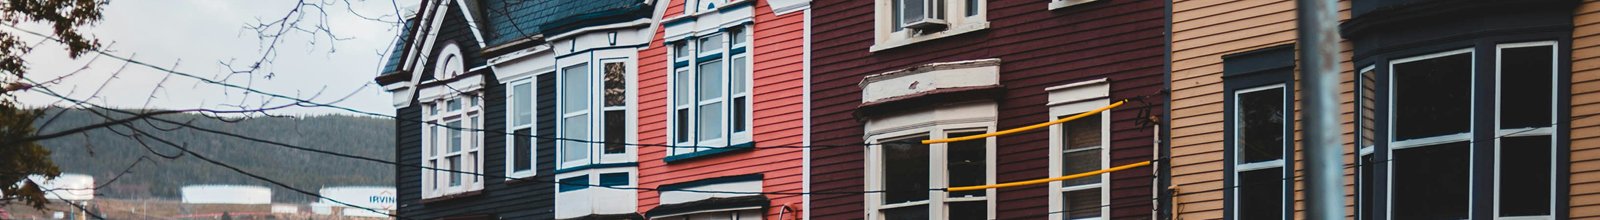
(1117, 39)
(777, 52)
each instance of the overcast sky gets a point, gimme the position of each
(196, 35)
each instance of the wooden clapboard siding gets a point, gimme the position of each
(1585, 167)
(1202, 32)
(777, 51)
(1116, 39)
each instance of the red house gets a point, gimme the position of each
(886, 71)
(720, 81)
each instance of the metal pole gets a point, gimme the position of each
(1319, 78)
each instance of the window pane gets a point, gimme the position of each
(710, 84)
(905, 171)
(1260, 194)
(575, 90)
(433, 145)
(736, 36)
(680, 50)
(1082, 133)
(455, 136)
(435, 180)
(1430, 182)
(472, 138)
(896, 13)
(969, 210)
(453, 104)
(616, 133)
(711, 44)
(918, 212)
(522, 103)
(1261, 125)
(1526, 76)
(683, 127)
(1081, 204)
(684, 93)
(1433, 97)
(710, 121)
(575, 129)
(972, 7)
(455, 165)
(738, 72)
(1369, 108)
(1079, 162)
(614, 179)
(967, 164)
(1525, 176)
(616, 85)
(522, 152)
(739, 113)
(1367, 169)
(912, 10)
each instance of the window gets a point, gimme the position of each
(1525, 151)
(615, 108)
(906, 170)
(729, 215)
(1259, 141)
(574, 150)
(453, 144)
(1079, 146)
(520, 155)
(711, 92)
(1366, 162)
(1431, 141)
(902, 22)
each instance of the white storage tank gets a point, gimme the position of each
(380, 198)
(226, 194)
(68, 186)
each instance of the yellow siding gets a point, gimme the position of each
(1585, 200)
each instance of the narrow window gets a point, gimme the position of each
(1367, 89)
(967, 166)
(1081, 152)
(738, 71)
(615, 108)
(523, 149)
(710, 101)
(522, 100)
(684, 97)
(905, 175)
(1259, 130)
(1432, 111)
(1526, 160)
(575, 113)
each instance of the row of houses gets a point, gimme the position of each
(814, 109)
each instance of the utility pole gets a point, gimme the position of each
(1317, 25)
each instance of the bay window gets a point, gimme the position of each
(1431, 109)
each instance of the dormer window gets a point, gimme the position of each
(452, 143)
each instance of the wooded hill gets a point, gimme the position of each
(104, 153)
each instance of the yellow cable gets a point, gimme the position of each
(1022, 129)
(1052, 179)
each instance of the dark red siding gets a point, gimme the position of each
(1117, 39)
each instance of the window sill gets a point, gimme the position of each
(710, 153)
(453, 196)
(595, 166)
(1059, 4)
(895, 42)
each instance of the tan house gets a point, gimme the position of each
(1466, 109)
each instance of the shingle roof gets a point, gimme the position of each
(507, 21)
(393, 63)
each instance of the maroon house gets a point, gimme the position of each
(893, 71)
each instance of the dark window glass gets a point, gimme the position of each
(905, 170)
(1082, 149)
(522, 152)
(917, 212)
(969, 210)
(1526, 76)
(1261, 125)
(1525, 176)
(616, 133)
(972, 7)
(896, 12)
(1260, 194)
(614, 179)
(1431, 182)
(1366, 194)
(739, 114)
(683, 126)
(616, 87)
(574, 183)
(966, 161)
(1433, 97)
(1082, 204)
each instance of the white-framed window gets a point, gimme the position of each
(1260, 122)
(452, 140)
(1366, 131)
(520, 145)
(1525, 156)
(905, 169)
(1430, 107)
(574, 101)
(904, 22)
(1077, 146)
(726, 215)
(710, 97)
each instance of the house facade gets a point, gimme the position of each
(890, 73)
(722, 94)
(1450, 110)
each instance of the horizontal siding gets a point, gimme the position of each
(777, 96)
(1585, 167)
(1204, 31)
(1038, 48)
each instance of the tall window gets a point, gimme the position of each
(1432, 113)
(1080, 146)
(453, 144)
(574, 115)
(710, 103)
(908, 169)
(1260, 126)
(1366, 163)
(615, 108)
(521, 153)
(1525, 148)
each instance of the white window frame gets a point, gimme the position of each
(1065, 101)
(885, 37)
(1448, 138)
(725, 55)
(562, 115)
(1547, 130)
(1363, 150)
(944, 123)
(512, 126)
(1238, 151)
(435, 141)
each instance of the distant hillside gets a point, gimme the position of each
(103, 153)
